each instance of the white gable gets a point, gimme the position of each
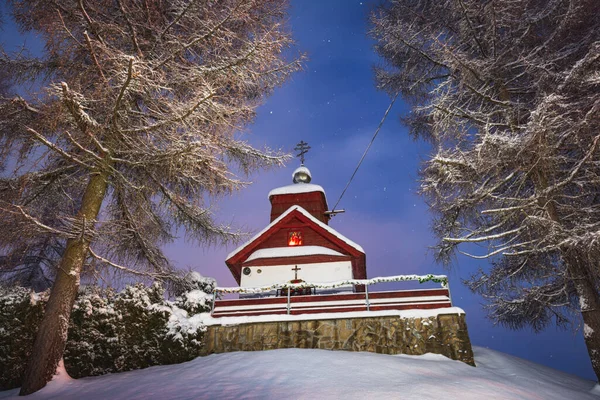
(279, 274)
(293, 251)
(309, 216)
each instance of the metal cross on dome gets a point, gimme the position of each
(303, 148)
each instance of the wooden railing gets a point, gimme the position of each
(338, 302)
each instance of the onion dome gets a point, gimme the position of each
(301, 175)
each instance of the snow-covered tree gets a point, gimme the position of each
(195, 295)
(21, 310)
(95, 345)
(129, 129)
(508, 93)
(109, 331)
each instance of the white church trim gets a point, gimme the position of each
(295, 251)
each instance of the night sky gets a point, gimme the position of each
(334, 106)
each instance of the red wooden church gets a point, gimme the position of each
(298, 244)
(299, 264)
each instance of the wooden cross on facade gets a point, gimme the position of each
(296, 269)
(303, 148)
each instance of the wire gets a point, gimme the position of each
(366, 150)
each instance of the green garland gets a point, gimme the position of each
(442, 279)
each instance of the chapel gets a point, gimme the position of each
(303, 284)
(298, 264)
(298, 245)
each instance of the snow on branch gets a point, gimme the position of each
(515, 130)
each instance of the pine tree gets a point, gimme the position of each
(132, 129)
(508, 93)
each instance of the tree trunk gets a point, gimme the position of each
(589, 301)
(51, 337)
(579, 269)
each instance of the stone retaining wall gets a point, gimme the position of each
(444, 334)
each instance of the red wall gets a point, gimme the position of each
(309, 237)
(295, 260)
(313, 202)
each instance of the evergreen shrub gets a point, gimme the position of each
(109, 331)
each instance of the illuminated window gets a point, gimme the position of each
(295, 238)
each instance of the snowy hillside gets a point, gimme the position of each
(321, 374)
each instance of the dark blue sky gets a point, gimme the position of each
(334, 106)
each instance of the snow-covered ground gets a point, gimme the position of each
(322, 374)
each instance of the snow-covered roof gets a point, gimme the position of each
(329, 229)
(296, 188)
(310, 217)
(293, 251)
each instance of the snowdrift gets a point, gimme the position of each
(322, 374)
